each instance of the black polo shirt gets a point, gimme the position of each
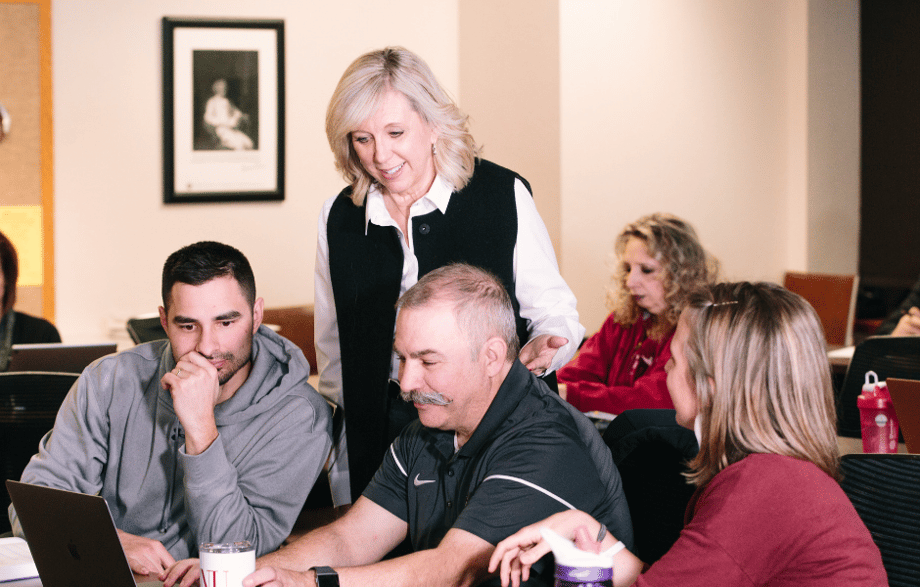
(531, 456)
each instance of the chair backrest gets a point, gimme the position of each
(145, 328)
(295, 324)
(651, 451)
(834, 299)
(29, 403)
(888, 356)
(885, 490)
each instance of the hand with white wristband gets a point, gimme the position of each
(514, 555)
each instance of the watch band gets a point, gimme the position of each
(326, 577)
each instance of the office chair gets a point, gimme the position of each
(885, 490)
(888, 356)
(29, 403)
(650, 450)
(145, 328)
(834, 299)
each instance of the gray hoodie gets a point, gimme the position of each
(117, 435)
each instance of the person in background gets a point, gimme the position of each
(17, 327)
(905, 321)
(213, 435)
(749, 374)
(621, 367)
(418, 198)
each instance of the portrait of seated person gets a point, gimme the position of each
(493, 450)
(225, 119)
(659, 262)
(749, 374)
(905, 321)
(17, 327)
(212, 435)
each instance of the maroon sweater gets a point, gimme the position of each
(774, 521)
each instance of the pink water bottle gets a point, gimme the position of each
(878, 421)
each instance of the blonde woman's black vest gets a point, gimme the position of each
(479, 227)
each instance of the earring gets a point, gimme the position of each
(434, 149)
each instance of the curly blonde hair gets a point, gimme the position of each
(685, 267)
(358, 95)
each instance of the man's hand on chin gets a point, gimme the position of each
(195, 390)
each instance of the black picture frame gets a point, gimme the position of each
(223, 110)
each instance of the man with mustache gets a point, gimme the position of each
(213, 435)
(493, 451)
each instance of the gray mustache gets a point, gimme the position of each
(417, 397)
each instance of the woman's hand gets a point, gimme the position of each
(537, 355)
(183, 573)
(514, 555)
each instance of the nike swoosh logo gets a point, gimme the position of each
(418, 481)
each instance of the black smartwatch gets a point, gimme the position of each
(326, 577)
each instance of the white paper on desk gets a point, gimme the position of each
(16, 560)
(845, 352)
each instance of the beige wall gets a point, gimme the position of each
(732, 114)
(702, 109)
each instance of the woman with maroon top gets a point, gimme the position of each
(622, 366)
(749, 374)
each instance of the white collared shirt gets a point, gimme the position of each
(546, 302)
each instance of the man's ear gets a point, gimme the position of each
(495, 351)
(257, 310)
(163, 321)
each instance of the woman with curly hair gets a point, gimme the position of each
(622, 366)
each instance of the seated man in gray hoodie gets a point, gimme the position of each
(213, 435)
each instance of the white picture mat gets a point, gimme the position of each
(225, 171)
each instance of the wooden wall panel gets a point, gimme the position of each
(26, 159)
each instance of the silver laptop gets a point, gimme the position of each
(57, 357)
(72, 538)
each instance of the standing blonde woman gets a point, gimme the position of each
(418, 198)
(621, 367)
(749, 373)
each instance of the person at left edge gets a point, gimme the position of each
(213, 435)
(17, 327)
(418, 198)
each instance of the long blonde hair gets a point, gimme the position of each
(358, 96)
(759, 362)
(685, 266)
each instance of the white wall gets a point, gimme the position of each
(112, 231)
(700, 109)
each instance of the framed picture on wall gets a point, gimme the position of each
(223, 110)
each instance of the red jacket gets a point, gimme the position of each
(619, 369)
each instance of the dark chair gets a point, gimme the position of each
(651, 450)
(145, 329)
(888, 356)
(885, 490)
(29, 402)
